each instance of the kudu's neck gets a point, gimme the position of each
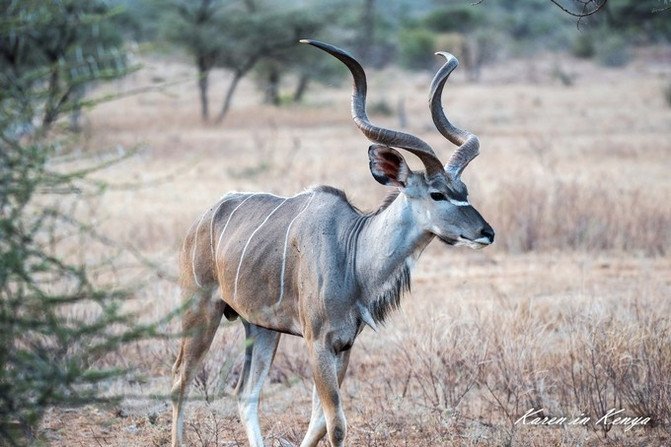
(389, 242)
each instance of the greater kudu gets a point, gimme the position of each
(312, 265)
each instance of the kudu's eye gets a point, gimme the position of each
(438, 196)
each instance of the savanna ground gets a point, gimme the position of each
(568, 311)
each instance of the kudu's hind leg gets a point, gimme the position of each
(261, 345)
(317, 428)
(199, 323)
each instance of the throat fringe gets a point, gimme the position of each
(390, 295)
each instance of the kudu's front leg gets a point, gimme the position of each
(317, 428)
(324, 363)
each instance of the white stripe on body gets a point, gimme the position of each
(221, 202)
(286, 242)
(195, 245)
(216, 248)
(237, 274)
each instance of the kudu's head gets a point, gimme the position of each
(437, 197)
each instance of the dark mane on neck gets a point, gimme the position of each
(333, 191)
(342, 195)
(388, 200)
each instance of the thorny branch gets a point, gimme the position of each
(585, 12)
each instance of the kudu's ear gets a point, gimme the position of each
(387, 165)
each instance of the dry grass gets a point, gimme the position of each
(568, 312)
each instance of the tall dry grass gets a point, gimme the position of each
(468, 372)
(557, 214)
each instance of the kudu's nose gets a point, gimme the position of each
(488, 232)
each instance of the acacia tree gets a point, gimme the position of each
(234, 36)
(581, 8)
(302, 65)
(576, 8)
(50, 51)
(57, 320)
(274, 37)
(196, 25)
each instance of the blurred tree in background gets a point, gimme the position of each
(622, 24)
(456, 27)
(236, 36)
(196, 25)
(260, 36)
(58, 318)
(299, 64)
(480, 33)
(273, 37)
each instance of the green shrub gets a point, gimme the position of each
(381, 108)
(58, 320)
(417, 47)
(461, 18)
(612, 50)
(608, 47)
(583, 46)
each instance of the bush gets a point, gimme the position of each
(612, 50)
(461, 18)
(55, 323)
(583, 46)
(58, 319)
(667, 94)
(417, 47)
(381, 108)
(609, 48)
